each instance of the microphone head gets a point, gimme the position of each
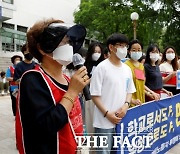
(78, 60)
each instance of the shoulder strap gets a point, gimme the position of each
(129, 63)
(141, 66)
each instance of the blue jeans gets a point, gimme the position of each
(105, 132)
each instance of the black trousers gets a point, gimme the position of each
(13, 100)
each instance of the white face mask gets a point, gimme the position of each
(95, 56)
(136, 55)
(170, 56)
(63, 54)
(154, 56)
(121, 53)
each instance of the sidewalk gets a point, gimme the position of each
(7, 132)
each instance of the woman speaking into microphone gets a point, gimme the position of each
(48, 106)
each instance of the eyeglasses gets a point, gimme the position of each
(122, 45)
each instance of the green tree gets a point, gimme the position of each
(171, 13)
(103, 18)
(158, 22)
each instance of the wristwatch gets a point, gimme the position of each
(127, 103)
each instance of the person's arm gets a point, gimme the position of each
(17, 74)
(131, 90)
(136, 101)
(167, 92)
(123, 110)
(163, 68)
(168, 77)
(151, 93)
(106, 113)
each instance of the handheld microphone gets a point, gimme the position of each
(78, 62)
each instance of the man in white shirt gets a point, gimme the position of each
(111, 88)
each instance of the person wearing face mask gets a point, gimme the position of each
(111, 88)
(168, 68)
(12, 85)
(137, 68)
(152, 72)
(24, 65)
(94, 56)
(49, 113)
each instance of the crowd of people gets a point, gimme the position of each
(47, 97)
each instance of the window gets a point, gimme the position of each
(8, 47)
(19, 44)
(22, 28)
(7, 25)
(18, 47)
(8, 1)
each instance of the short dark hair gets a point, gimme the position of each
(116, 38)
(2, 73)
(134, 42)
(106, 51)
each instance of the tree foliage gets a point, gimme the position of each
(171, 12)
(159, 20)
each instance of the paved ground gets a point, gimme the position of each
(7, 133)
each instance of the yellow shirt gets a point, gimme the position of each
(139, 83)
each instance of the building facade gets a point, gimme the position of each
(16, 16)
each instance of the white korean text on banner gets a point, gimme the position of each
(153, 128)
